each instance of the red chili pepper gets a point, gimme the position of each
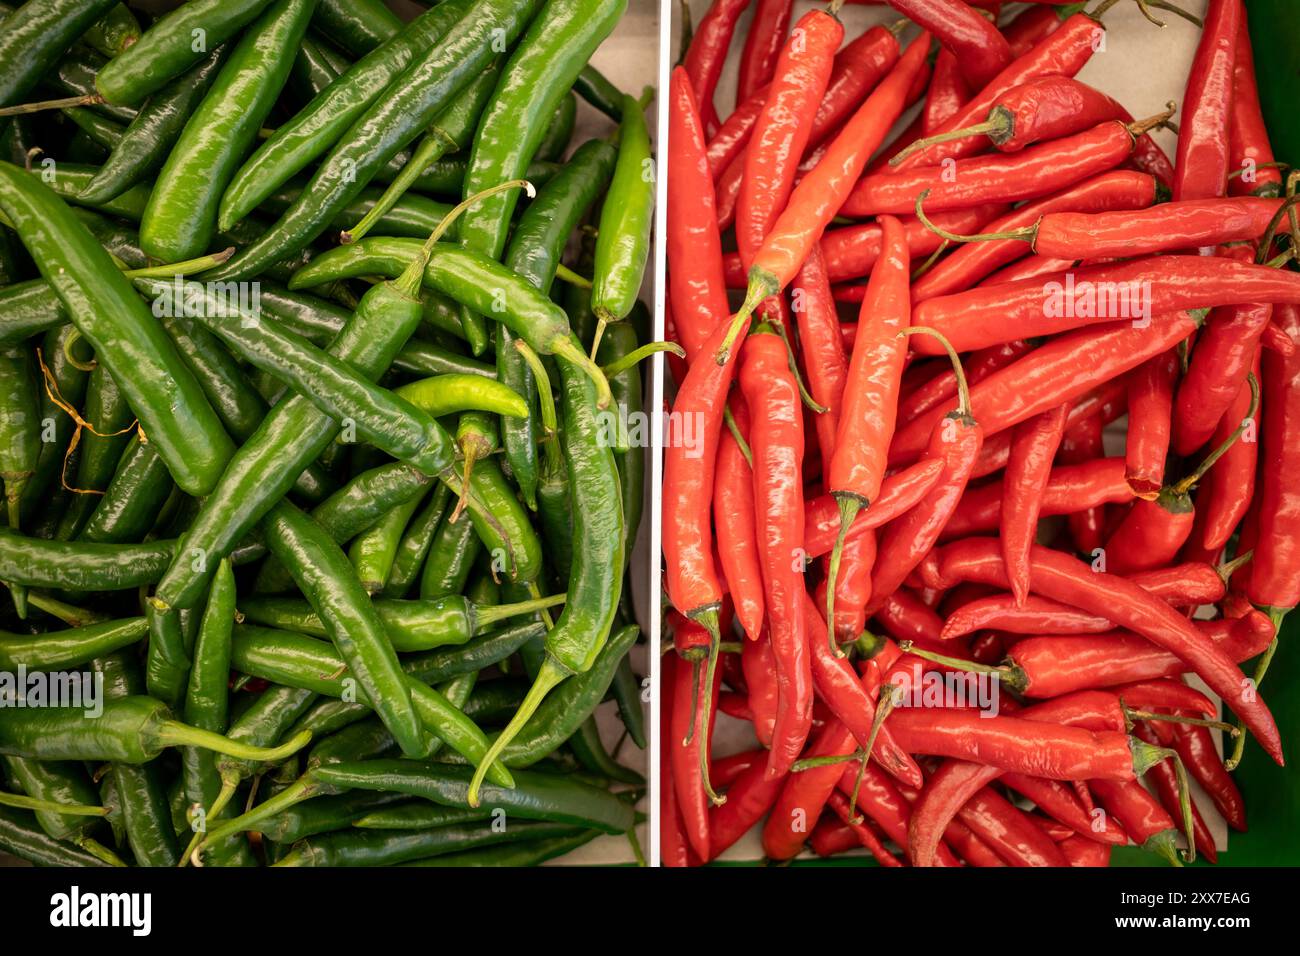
(1039, 170)
(784, 126)
(733, 521)
(763, 42)
(1063, 52)
(727, 770)
(674, 848)
(980, 50)
(832, 836)
(708, 53)
(695, 279)
(1165, 783)
(1069, 488)
(751, 796)
(907, 618)
(759, 665)
(959, 837)
(1009, 831)
(821, 346)
(1120, 190)
(736, 705)
(1195, 746)
(1033, 25)
(881, 800)
(898, 493)
(1084, 853)
(1108, 401)
(948, 92)
(860, 832)
(1045, 108)
(1203, 161)
(1148, 823)
(1035, 615)
(804, 795)
(1050, 375)
(1033, 447)
(1150, 287)
(689, 731)
(1229, 487)
(1167, 695)
(866, 426)
(1059, 801)
(956, 440)
(1251, 152)
(1066, 579)
(1274, 581)
(979, 366)
(818, 196)
(852, 703)
(777, 442)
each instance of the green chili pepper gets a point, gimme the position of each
(411, 625)
(101, 130)
(573, 646)
(534, 252)
(68, 179)
(478, 653)
(626, 218)
(414, 545)
(485, 286)
(112, 34)
(528, 853)
(130, 730)
(64, 355)
(357, 26)
(626, 690)
(326, 716)
(535, 80)
(101, 445)
(535, 796)
(596, 89)
(59, 783)
(126, 338)
(174, 43)
(619, 341)
(127, 510)
(20, 427)
(363, 740)
(446, 571)
(591, 753)
(325, 815)
(181, 217)
(146, 814)
(373, 551)
(314, 69)
(501, 522)
(323, 574)
(409, 104)
(20, 835)
(320, 124)
(555, 142)
(75, 74)
(349, 848)
(413, 216)
(411, 814)
(69, 648)
(36, 35)
(300, 661)
(81, 566)
(154, 131)
(446, 176)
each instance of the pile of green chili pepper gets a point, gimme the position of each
(311, 493)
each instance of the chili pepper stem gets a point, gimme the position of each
(1162, 844)
(1185, 804)
(884, 706)
(304, 788)
(1133, 716)
(549, 676)
(93, 99)
(761, 285)
(69, 615)
(545, 401)
(489, 614)
(1140, 128)
(709, 620)
(625, 362)
(1186, 485)
(804, 395)
(1229, 568)
(569, 350)
(963, 389)
(998, 127)
(565, 274)
(849, 504)
(1027, 234)
(174, 733)
(695, 696)
(49, 806)
(1009, 674)
(99, 851)
(735, 433)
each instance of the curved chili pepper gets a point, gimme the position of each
(688, 739)
(694, 247)
(1148, 824)
(1108, 401)
(1033, 446)
(1083, 441)
(1273, 578)
(908, 618)
(866, 428)
(1069, 488)
(1165, 783)
(1033, 615)
(1225, 348)
(1203, 163)
(980, 50)
(804, 794)
(818, 196)
(1229, 487)
(759, 666)
(979, 366)
(947, 94)
(776, 439)
(1248, 140)
(1011, 834)
(1050, 375)
(1034, 24)
(707, 54)
(751, 796)
(733, 522)
(1166, 694)
(955, 440)
(858, 831)
(1036, 171)
(763, 42)
(821, 345)
(1059, 801)
(853, 586)
(1195, 746)
(1120, 189)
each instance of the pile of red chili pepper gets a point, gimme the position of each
(995, 567)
